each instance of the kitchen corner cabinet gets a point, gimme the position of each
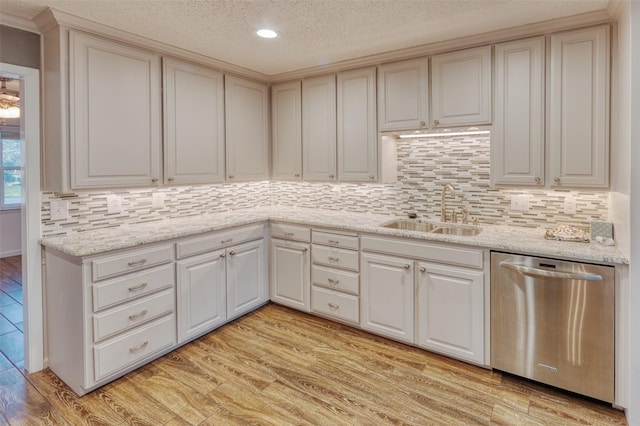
(193, 124)
(247, 129)
(403, 101)
(220, 276)
(461, 87)
(450, 304)
(115, 114)
(286, 130)
(290, 271)
(356, 124)
(517, 139)
(387, 296)
(579, 108)
(319, 128)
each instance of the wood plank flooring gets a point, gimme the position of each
(277, 366)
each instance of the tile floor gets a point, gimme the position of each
(11, 339)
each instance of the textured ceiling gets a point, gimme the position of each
(313, 32)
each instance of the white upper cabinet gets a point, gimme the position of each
(115, 114)
(319, 128)
(517, 140)
(357, 132)
(403, 101)
(579, 108)
(247, 126)
(193, 124)
(461, 87)
(286, 128)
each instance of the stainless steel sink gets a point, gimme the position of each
(433, 227)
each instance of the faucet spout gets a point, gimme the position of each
(443, 205)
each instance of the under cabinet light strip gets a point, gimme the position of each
(443, 134)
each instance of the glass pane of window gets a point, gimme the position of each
(12, 187)
(11, 152)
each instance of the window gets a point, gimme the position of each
(10, 171)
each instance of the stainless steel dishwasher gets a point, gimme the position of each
(553, 321)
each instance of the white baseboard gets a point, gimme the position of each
(10, 253)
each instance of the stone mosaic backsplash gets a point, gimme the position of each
(424, 167)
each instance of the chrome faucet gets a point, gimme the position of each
(443, 205)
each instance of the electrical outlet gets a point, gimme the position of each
(520, 203)
(157, 200)
(114, 204)
(59, 209)
(569, 205)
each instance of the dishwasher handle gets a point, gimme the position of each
(535, 272)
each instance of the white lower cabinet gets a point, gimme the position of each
(386, 299)
(450, 306)
(290, 274)
(246, 278)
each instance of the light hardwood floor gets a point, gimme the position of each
(277, 366)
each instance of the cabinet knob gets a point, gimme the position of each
(231, 253)
(422, 124)
(407, 266)
(171, 179)
(297, 175)
(538, 180)
(331, 176)
(333, 305)
(372, 177)
(436, 122)
(222, 256)
(232, 177)
(556, 181)
(304, 249)
(423, 269)
(154, 180)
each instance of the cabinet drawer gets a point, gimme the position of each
(132, 314)
(339, 305)
(134, 260)
(218, 240)
(335, 279)
(120, 352)
(444, 253)
(330, 256)
(290, 232)
(335, 240)
(109, 293)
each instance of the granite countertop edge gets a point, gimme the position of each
(514, 239)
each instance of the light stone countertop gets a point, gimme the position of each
(497, 237)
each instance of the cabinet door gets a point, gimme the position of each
(461, 87)
(517, 140)
(357, 134)
(246, 278)
(193, 124)
(386, 296)
(451, 311)
(319, 128)
(201, 294)
(286, 128)
(290, 274)
(402, 95)
(579, 108)
(115, 114)
(247, 125)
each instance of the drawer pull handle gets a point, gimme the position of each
(137, 262)
(332, 281)
(334, 242)
(232, 253)
(333, 259)
(423, 269)
(222, 256)
(304, 249)
(333, 305)
(138, 315)
(289, 234)
(140, 346)
(138, 287)
(407, 266)
(227, 241)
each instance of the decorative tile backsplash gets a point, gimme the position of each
(424, 167)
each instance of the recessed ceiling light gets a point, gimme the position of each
(266, 33)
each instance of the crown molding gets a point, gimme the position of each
(51, 18)
(19, 22)
(537, 29)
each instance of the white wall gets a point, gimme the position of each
(10, 235)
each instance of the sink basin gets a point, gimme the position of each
(433, 227)
(411, 225)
